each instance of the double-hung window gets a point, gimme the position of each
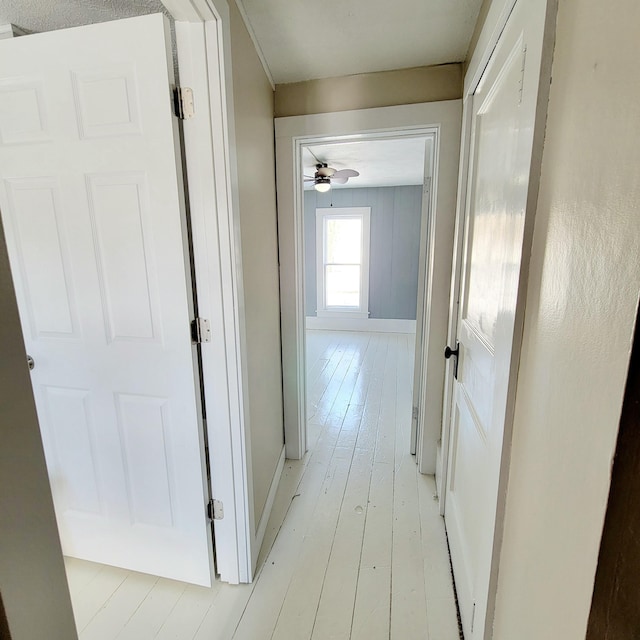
(342, 250)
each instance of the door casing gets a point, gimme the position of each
(439, 118)
(203, 39)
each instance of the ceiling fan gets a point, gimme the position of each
(326, 175)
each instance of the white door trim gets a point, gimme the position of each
(203, 42)
(426, 207)
(495, 23)
(391, 122)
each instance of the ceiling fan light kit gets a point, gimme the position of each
(322, 185)
(325, 175)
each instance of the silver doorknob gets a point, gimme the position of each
(31, 362)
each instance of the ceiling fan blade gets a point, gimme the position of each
(325, 172)
(335, 180)
(345, 173)
(308, 179)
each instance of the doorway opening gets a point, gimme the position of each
(382, 283)
(365, 246)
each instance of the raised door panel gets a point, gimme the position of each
(72, 452)
(40, 249)
(107, 102)
(23, 115)
(119, 210)
(144, 429)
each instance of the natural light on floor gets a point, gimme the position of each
(355, 547)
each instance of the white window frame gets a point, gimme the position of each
(329, 213)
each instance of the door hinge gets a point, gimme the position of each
(200, 331)
(215, 510)
(414, 413)
(524, 61)
(183, 103)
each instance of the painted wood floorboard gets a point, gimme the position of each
(355, 548)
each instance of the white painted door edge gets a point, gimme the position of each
(291, 134)
(203, 42)
(428, 205)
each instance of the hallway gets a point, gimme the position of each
(355, 547)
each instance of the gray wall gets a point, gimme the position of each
(394, 248)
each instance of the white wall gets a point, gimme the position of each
(33, 585)
(581, 307)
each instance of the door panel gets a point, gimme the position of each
(503, 110)
(92, 204)
(41, 236)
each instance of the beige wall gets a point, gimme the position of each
(368, 90)
(33, 585)
(253, 112)
(581, 306)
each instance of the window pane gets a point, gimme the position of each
(342, 285)
(344, 240)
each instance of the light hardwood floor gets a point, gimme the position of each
(354, 549)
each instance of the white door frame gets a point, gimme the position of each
(292, 133)
(203, 45)
(494, 25)
(425, 212)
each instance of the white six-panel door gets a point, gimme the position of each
(503, 115)
(92, 205)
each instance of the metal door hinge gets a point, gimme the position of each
(200, 331)
(524, 61)
(414, 413)
(215, 510)
(183, 103)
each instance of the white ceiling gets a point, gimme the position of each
(305, 39)
(381, 163)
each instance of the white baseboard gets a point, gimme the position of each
(382, 325)
(266, 512)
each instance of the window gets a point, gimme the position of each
(342, 249)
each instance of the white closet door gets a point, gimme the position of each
(503, 115)
(92, 203)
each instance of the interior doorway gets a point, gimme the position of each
(442, 121)
(366, 207)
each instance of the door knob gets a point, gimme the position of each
(448, 352)
(31, 362)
